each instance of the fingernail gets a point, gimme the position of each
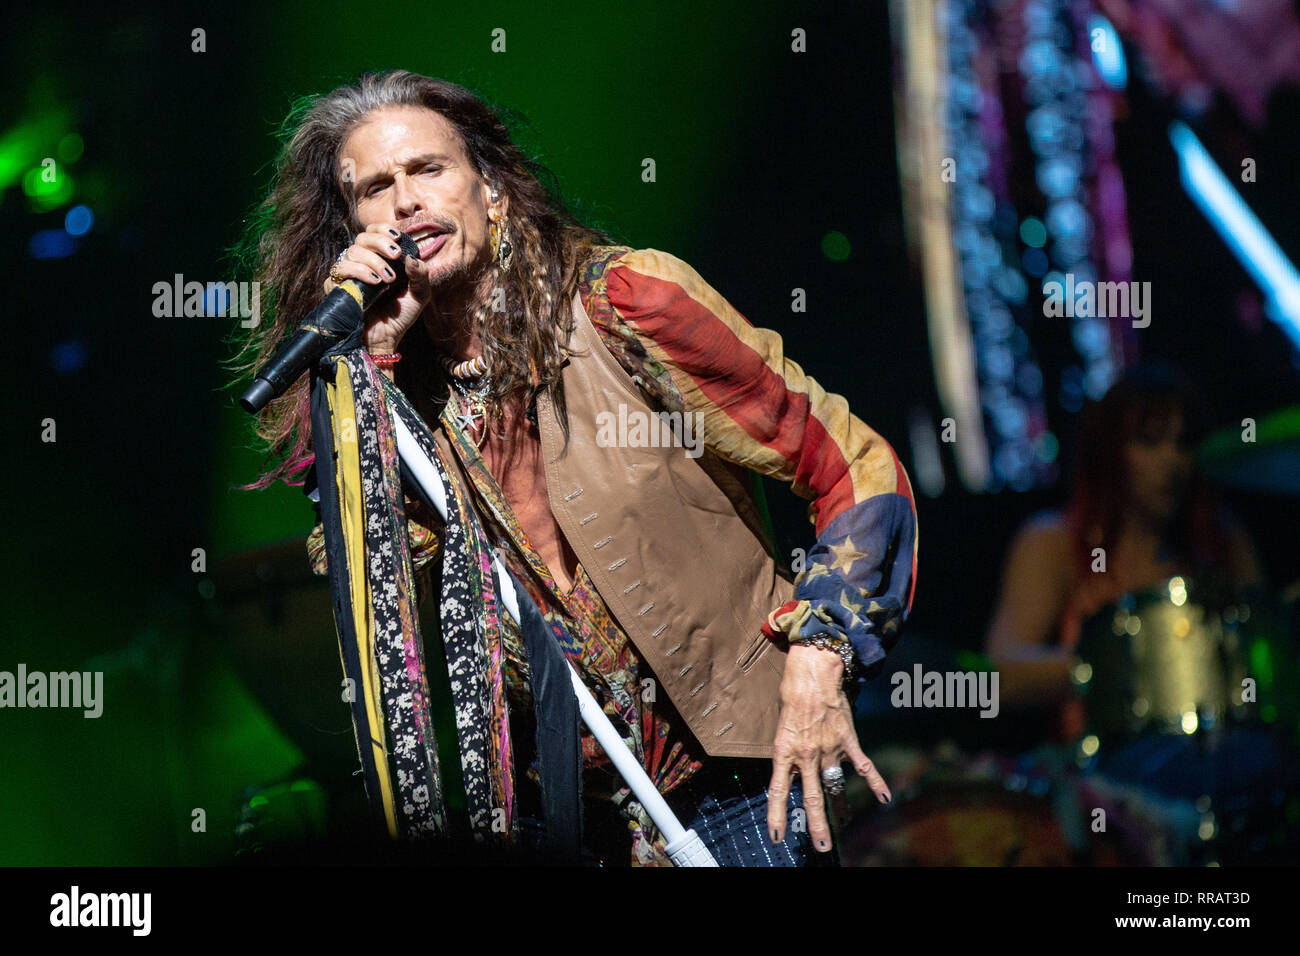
(776, 836)
(390, 273)
(394, 233)
(823, 845)
(375, 277)
(885, 798)
(394, 250)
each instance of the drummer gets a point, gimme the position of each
(1137, 508)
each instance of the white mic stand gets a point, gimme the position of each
(684, 846)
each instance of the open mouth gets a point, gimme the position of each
(428, 240)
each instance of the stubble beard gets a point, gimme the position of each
(460, 283)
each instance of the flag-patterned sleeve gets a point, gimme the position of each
(761, 410)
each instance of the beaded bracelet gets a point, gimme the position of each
(386, 361)
(829, 643)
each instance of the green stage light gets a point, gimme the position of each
(1261, 662)
(19, 148)
(1033, 232)
(26, 144)
(46, 192)
(835, 246)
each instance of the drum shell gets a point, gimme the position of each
(1161, 662)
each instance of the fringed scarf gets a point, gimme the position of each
(375, 610)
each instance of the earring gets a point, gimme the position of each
(499, 232)
(499, 236)
(507, 249)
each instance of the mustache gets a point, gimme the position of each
(414, 224)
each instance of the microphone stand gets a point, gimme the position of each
(343, 315)
(685, 847)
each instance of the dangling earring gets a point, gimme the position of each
(507, 248)
(499, 236)
(502, 248)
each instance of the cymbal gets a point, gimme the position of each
(1270, 463)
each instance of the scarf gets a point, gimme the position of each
(372, 584)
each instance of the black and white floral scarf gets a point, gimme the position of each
(376, 616)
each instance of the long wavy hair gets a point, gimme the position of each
(294, 234)
(1147, 395)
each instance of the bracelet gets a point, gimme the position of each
(386, 361)
(839, 645)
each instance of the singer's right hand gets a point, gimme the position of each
(366, 260)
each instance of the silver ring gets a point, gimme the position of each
(833, 780)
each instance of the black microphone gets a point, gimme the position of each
(340, 314)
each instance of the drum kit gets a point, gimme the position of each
(1191, 705)
(1161, 661)
(952, 808)
(1191, 752)
(1189, 756)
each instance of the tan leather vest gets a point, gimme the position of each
(676, 549)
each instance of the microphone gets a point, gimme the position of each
(340, 314)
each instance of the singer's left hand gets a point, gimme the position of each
(816, 733)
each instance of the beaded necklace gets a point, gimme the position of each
(471, 384)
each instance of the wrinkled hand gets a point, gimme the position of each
(816, 733)
(368, 260)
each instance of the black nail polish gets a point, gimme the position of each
(395, 233)
(389, 272)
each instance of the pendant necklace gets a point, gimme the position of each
(471, 386)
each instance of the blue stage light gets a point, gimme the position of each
(68, 357)
(1240, 228)
(1107, 52)
(78, 220)
(51, 244)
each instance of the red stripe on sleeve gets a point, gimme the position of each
(732, 375)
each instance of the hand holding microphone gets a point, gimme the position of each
(370, 260)
(368, 274)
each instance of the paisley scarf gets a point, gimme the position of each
(372, 584)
